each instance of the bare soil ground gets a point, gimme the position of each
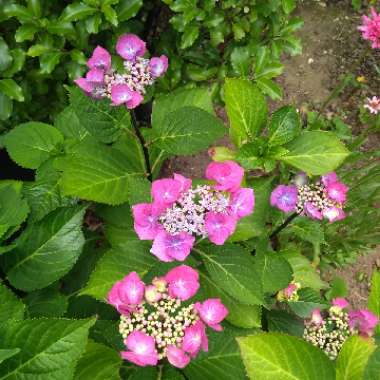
(332, 48)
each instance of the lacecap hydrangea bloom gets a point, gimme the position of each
(179, 212)
(127, 86)
(329, 329)
(371, 28)
(157, 320)
(322, 199)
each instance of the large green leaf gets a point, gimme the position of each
(353, 358)
(372, 370)
(315, 152)
(233, 269)
(283, 357)
(30, 144)
(282, 321)
(221, 362)
(127, 9)
(77, 11)
(7, 353)
(69, 125)
(99, 362)
(46, 250)
(284, 126)
(374, 296)
(187, 130)
(49, 348)
(118, 262)
(239, 314)
(164, 105)
(11, 306)
(99, 173)
(309, 300)
(10, 88)
(101, 120)
(246, 109)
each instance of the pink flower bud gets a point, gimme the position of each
(130, 46)
(152, 294)
(183, 282)
(228, 175)
(316, 317)
(160, 283)
(142, 349)
(212, 312)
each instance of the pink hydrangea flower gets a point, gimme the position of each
(177, 357)
(166, 191)
(316, 317)
(185, 182)
(312, 211)
(284, 198)
(212, 312)
(142, 349)
(195, 338)
(337, 191)
(340, 302)
(172, 247)
(373, 105)
(122, 94)
(93, 78)
(183, 282)
(126, 294)
(130, 46)
(100, 59)
(146, 220)
(242, 202)
(364, 321)
(333, 214)
(371, 29)
(228, 175)
(158, 65)
(329, 178)
(219, 227)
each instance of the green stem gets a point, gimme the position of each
(157, 161)
(160, 371)
(283, 225)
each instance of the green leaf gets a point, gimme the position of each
(283, 357)
(166, 104)
(77, 11)
(189, 35)
(221, 362)
(270, 70)
(10, 88)
(50, 348)
(240, 61)
(101, 120)
(284, 126)
(25, 32)
(133, 255)
(127, 9)
(270, 88)
(67, 122)
(30, 144)
(51, 247)
(338, 288)
(99, 362)
(11, 306)
(233, 269)
(307, 230)
(49, 60)
(372, 370)
(246, 109)
(187, 130)
(309, 300)
(353, 358)
(6, 106)
(35, 7)
(315, 152)
(99, 173)
(21, 13)
(5, 56)
(374, 296)
(288, 5)
(47, 302)
(7, 353)
(18, 56)
(281, 321)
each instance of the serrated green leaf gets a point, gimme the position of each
(11, 306)
(110, 14)
(25, 32)
(99, 362)
(127, 9)
(51, 247)
(246, 109)
(374, 296)
(101, 120)
(372, 370)
(189, 35)
(272, 355)
(309, 300)
(67, 122)
(77, 11)
(10, 88)
(187, 130)
(338, 288)
(49, 60)
(7, 353)
(99, 173)
(353, 358)
(284, 126)
(315, 152)
(240, 61)
(307, 230)
(50, 348)
(133, 255)
(233, 269)
(270, 88)
(30, 144)
(282, 321)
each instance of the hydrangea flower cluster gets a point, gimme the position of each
(180, 213)
(371, 28)
(128, 86)
(323, 199)
(290, 293)
(373, 105)
(156, 324)
(330, 331)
